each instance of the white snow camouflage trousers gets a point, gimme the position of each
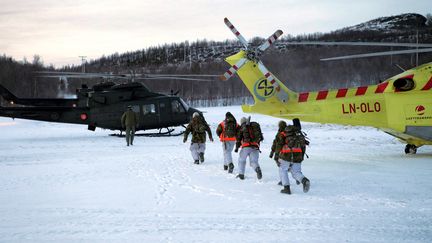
(295, 171)
(196, 149)
(227, 148)
(253, 154)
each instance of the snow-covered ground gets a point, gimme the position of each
(62, 183)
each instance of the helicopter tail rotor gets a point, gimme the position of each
(253, 54)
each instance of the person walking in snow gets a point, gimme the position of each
(198, 127)
(288, 155)
(129, 121)
(282, 125)
(249, 138)
(227, 131)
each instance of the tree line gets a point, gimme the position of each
(297, 66)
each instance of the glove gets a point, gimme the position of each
(236, 150)
(271, 154)
(184, 140)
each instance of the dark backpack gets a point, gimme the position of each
(255, 132)
(230, 128)
(295, 138)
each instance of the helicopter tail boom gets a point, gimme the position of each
(7, 95)
(51, 114)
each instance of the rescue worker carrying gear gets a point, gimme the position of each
(198, 127)
(282, 125)
(249, 138)
(289, 154)
(129, 120)
(227, 131)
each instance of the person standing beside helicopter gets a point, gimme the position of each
(198, 127)
(129, 120)
(227, 131)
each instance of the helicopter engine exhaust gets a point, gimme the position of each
(404, 84)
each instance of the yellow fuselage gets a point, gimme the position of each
(404, 114)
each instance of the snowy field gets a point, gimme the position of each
(62, 183)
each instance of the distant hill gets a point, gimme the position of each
(297, 66)
(397, 23)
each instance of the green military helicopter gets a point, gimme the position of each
(103, 104)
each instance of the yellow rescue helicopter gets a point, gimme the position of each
(400, 106)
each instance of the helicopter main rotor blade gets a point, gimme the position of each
(182, 75)
(347, 43)
(175, 78)
(376, 54)
(236, 33)
(56, 74)
(267, 43)
(232, 70)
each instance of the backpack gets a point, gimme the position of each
(230, 128)
(199, 126)
(295, 139)
(255, 132)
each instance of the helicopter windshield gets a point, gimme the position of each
(178, 107)
(184, 104)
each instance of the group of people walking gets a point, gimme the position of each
(288, 149)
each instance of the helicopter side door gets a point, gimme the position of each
(179, 112)
(165, 118)
(150, 118)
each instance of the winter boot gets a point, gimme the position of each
(306, 184)
(280, 183)
(241, 176)
(196, 162)
(225, 167)
(259, 173)
(230, 168)
(201, 156)
(286, 190)
(297, 182)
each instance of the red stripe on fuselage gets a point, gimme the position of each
(428, 85)
(341, 93)
(381, 87)
(361, 90)
(322, 95)
(303, 97)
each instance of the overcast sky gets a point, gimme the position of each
(60, 31)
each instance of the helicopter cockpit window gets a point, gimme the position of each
(149, 109)
(184, 104)
(177, 107)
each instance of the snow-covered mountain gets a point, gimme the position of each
(409, 21)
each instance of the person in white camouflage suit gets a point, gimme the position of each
(198, 127)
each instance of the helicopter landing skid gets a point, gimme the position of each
(167, 133)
